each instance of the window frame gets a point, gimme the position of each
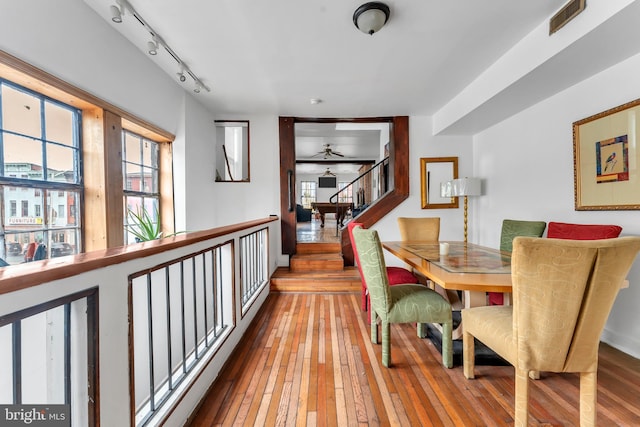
(39, 228)
(100, 154)
(313, 193)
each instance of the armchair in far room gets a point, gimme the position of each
(510, 229)
(302, 214)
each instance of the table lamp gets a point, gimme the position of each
(462, 187)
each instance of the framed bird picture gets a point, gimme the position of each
(604, 145)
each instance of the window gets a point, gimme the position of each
(49, 132)
(308, 191)
(40, 140)
(345, 196)
(140, 159)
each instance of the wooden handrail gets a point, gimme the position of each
(22, 276)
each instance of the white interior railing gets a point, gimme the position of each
(169, 314)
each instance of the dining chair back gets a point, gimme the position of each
(426, 229)
(402, 303)
(421, 228)
(563, 230)
(563, 292)
(510, 229)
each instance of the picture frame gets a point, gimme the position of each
(606, 159)
(433, 172)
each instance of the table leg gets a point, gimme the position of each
(470, 299)
(321, 219)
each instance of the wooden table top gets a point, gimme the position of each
(468, 266)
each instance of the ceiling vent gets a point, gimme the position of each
(566, 14)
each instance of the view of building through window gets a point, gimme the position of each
(39, 176)
(141, 172)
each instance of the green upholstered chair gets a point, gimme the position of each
(563, 291)
(399, 303)
(510, 229)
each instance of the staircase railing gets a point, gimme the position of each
(363, 191)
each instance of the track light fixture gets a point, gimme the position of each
(152, 46)
(117, 12)
(181, 75)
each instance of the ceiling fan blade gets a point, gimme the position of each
(337, 154)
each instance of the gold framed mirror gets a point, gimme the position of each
(433, 172)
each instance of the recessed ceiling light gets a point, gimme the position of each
(315, 101)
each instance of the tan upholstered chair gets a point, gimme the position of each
(563, 291)
(424, 229)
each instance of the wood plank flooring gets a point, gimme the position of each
(309, 362)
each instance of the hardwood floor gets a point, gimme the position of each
(311, 232)
(309, 361)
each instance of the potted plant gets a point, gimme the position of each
(142, 225)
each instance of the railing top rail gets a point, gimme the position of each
(31, 274)
(368, 171)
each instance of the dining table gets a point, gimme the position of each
(467, 267)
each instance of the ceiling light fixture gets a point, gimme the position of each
(117, 12)
(152, 46)
(181, 75)
(371, 17)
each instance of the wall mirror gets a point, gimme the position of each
(232, 150)
(433, 172)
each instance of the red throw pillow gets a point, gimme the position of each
(561, 230)
(400, 276)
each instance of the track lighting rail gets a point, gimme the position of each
(117, 14)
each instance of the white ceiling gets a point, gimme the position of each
(273, 56)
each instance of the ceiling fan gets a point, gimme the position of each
(327, 152)
(328, 173)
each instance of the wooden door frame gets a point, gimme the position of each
(398, 163)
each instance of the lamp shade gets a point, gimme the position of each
(465, 187)
(446, 189)
(371, 17)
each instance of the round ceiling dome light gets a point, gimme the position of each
(371, 17)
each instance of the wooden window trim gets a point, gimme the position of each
(102, 124)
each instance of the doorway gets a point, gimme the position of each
(391, 140)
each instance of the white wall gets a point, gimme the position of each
(527, 164)
(68, 39)
(422, 143)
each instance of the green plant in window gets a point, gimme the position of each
(142, 225)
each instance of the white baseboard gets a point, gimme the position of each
(623, 343)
